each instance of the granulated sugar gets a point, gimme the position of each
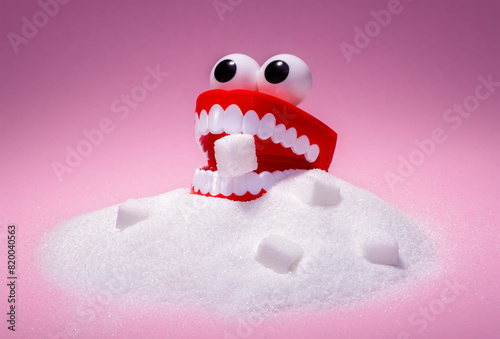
(193, 251)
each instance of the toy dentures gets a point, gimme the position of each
(252, 132)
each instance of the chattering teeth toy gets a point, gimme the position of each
(252, 132)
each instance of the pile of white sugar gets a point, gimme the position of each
(188, 250)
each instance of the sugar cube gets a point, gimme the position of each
(130, 213)
(381, 248)
(279, 254)
(235, 155)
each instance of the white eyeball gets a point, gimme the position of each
(235, 71)
(285, 76)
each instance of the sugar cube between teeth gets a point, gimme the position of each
(235, 155)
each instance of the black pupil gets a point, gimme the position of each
(276, 71)
(225, 70)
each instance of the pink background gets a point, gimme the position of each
(391, 93)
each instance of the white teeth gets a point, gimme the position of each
(215, 186)
(312, 153)
(232, 121)
(197, 133)
(254, 184)
(267, 180)
(206, 181)
(301, 145)
(240, 185)
(289, 138)
(278, 176)
(279, 134)
(196, 178)
(226, 186)
(203, 123)
(216, 119)
(250, 123)
(266, 126)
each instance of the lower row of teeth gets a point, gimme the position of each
(211, 182)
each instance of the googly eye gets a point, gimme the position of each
(235, 71)
(285, 76)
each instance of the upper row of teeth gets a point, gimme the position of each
(232, 121)
(212, 182)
